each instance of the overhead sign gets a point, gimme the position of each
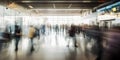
(106, 17)
(113, 7)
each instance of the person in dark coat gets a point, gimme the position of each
(17, 36)
(112, 49)
(72, 33)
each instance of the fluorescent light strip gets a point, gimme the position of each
(30, 6)
(60, 9)
(58, 1)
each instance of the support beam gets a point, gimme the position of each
(70, 6)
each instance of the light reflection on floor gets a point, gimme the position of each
(51, 46)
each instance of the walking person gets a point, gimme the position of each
(31, 36)
(17, 34)
(72, 34)
(112, 48)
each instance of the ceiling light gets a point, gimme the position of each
(30, 6)
(59, 9)
(114, 9)
(70, 6)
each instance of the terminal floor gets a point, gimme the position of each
(49, 47)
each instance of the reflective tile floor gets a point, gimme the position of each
(49, 47)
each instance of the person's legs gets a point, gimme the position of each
(16, 43)
(75, 41)
(32, 48)
(100, 52)
(68, 41)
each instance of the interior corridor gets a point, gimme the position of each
(59, 29)
(47, 47)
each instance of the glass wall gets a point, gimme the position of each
(9, 17)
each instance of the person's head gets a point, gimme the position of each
(72, 25)
(16, 27)
(31, 25)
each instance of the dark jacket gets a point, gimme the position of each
(17, 31)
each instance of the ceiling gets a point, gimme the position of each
(58, 6)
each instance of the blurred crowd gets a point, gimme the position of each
(106, 45)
